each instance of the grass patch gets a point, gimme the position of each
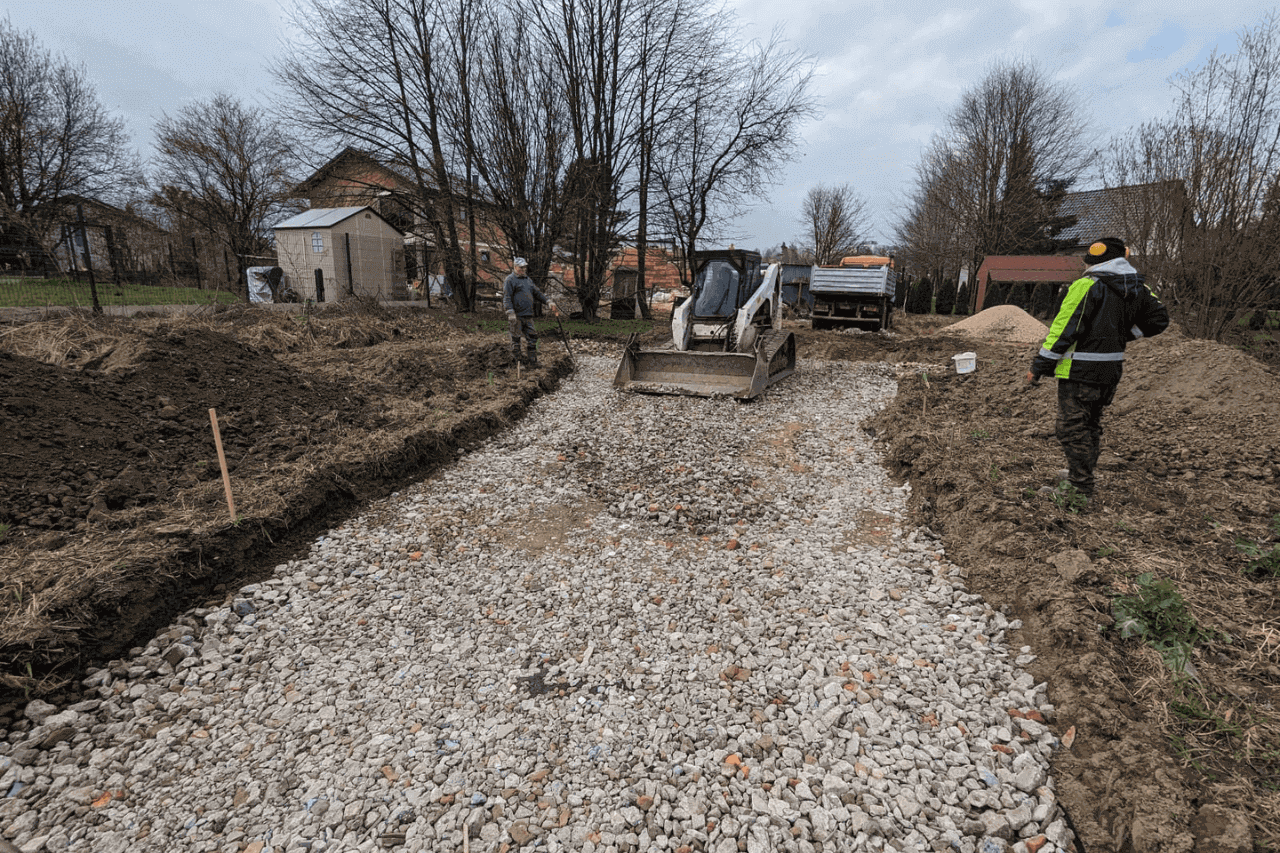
(1157, 614)
(67, 293)
(1262, 557)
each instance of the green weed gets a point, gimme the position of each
(1262, 557)
(1067, 497)
(979, 434)
(994, 473)
(1105, 551)
(4, 531)
(1157, 615)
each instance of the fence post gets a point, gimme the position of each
(88, 259)
(195, 260)
(351, 284)
(112, 253)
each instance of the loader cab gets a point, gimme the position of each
(723, 281)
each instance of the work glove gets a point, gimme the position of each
(511, 316)
(552, 307)
(1040, 366)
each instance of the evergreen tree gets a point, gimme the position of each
(920, 300)
(995, 295)
(1042, 300)
(1019, 296)
(962, 299)
(900, 295)
(946, 297)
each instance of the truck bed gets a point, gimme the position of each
(852, 282)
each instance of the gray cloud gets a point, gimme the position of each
(888, 73)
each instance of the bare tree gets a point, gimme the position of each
(228, 167)
(56, 140)
(591, 44)
(997, 173)
(670, 48)
(740, 121)
(836, 220)
(933, 242)
(380, 74)
(1202, 205)
(520, 143)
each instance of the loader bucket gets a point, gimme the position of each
(707, 374)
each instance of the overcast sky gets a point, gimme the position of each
(888, 72)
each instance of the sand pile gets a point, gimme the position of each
(1003, 323)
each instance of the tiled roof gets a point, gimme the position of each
(1100, 213)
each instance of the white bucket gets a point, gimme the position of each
(965, 361)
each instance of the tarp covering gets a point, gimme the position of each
(259, 290)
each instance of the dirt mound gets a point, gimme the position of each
(1188, 481)
(1002, 323)
(127, 423)
(112, 514)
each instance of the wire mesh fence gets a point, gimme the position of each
(100, 264)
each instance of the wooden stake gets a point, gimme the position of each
(222, 461)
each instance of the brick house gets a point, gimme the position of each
(354, 178)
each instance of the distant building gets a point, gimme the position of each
(1140, 215)
(354, 178)
(331, 254)
(120, 243)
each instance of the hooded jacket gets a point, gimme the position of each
(1101, 312)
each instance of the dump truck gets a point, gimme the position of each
(726, 337)
(857, 292)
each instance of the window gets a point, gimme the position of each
(317, 241)
(484, 256)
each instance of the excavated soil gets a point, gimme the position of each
(112, 505)
(116, 518)
(1189, 479)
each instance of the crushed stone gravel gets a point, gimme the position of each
(628, 623)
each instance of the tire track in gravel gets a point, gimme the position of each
(700, 654)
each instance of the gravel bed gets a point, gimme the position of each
(628, 623)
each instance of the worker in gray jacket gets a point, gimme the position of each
(519, 294)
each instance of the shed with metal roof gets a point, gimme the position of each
(333, 253)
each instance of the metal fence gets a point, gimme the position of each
(97, 266)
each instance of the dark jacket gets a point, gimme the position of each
(1100, 314)
(519, 293)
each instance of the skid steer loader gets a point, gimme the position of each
(726, 338)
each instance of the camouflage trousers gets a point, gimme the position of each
(1079, 428)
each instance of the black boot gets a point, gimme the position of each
(515, 353)
(533, 356)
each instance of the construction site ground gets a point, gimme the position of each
(113, 517)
